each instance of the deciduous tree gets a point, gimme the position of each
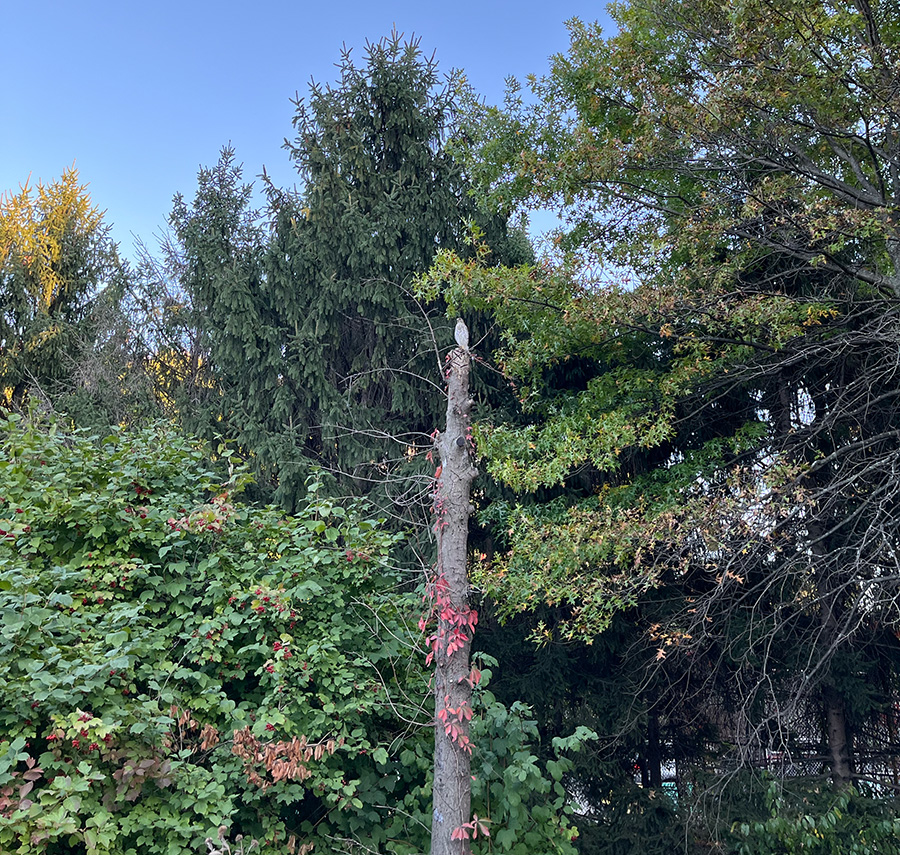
(723, 419)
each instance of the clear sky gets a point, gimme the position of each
(138, 95)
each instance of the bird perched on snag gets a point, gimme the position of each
(461, 334)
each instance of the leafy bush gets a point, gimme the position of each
(821, 823)
(525, 800)
(179, 670)
(174, 661)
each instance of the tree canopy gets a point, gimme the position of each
(714, 416)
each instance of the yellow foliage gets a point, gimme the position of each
(33, 226)
(174, 367)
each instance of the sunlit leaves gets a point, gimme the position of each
(726, 133)
(55, 258)
(37, 227)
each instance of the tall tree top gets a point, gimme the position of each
(318, 351)
(55, 259)
(722, 118)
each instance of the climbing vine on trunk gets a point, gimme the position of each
(454, 622)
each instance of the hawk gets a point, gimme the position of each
(461, 334)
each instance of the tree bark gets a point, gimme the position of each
(838, 744)
(453, 679)
(654, 752)
(835, 711)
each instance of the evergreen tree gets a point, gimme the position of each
(206, 307)
(316, 349)
(59, 274)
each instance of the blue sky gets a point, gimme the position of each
(139, 95)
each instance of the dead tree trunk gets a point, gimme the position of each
(451, 825)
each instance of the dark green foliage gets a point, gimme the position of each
(315, 350)
(218, 329)
(152, 624)
(819, 823)
(600, 686)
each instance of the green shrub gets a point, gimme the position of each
(177, 667)
(160, 639)
(820, 823)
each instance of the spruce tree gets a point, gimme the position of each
(316, 349)
(59, 277)
(205, 303)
